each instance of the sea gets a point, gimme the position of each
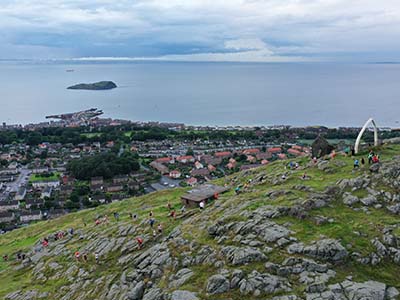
(216, 94)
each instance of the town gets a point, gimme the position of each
(48, 170)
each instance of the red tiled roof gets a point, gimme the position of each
(274, 150)
(222, 154)
(251, 151)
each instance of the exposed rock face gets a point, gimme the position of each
(217, 284)
(180, 277)
(242, 255)
(327, 249)
(183, 295)
(257, 283)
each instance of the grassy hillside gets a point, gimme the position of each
(327, 217)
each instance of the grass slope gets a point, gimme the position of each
(346, 223)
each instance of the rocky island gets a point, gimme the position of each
(101, 85)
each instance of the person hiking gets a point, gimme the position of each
(202, 205)
(173, 214)
(154, 233)
(140, 242)
(370, 155)
(116, 216)
(183, 209)
(135, 216)
(151, 214)
(96, 257)
(84, 257)
(169, 206)
(71, 231)
(151, 222)
(159, 228)
(77, 255)
(356, 164)
(237, 190)
(362, 161)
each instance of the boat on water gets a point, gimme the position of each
(70, 70)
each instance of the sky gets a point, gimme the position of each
(207, 30)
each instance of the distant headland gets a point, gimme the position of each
(101, 85)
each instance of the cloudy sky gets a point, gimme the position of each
(198, 30)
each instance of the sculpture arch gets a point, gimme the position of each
(370, 121)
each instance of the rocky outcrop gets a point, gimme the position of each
(242, 255)
(327, 250)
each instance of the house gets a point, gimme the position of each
(46, 192)
(198, 165)
(185, 159)
(200, 172)
(175, 174)
(282, 156)
(96, 188)
(275, 150)
(192, 181)
(165, 160)
(294, 152)
(223, 154)
(263, 155)
(133, 185)
(20, 195)
(27, 216)
(29, 203)
(120, 179)
(211, 168)
(9, 205)
(40, 170)
(6, 217)
(54, 183)
(297, 147)
(211, 160)
(159, 167)
(251, 151)
(114, 188)
(251, 158)
(204, 193)
(101, 198)
(96, 180)
(231, 166)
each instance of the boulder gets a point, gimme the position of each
(369, 200)
(154, 294)
(350, 199)
(137, 292)
(183, 295)
(217, 284)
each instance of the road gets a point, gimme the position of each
(14, 186)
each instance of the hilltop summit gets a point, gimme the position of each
(324, 230)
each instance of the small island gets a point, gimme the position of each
(101, 85)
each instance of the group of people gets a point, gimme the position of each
(372, 159)
(84, 257)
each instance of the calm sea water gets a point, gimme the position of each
(207, 93)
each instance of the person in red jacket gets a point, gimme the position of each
(140, 242)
